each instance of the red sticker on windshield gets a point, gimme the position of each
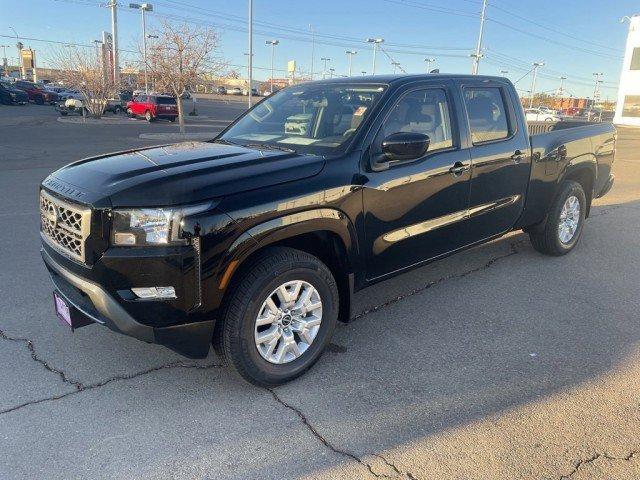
(360, 111)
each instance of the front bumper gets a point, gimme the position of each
(94, 303)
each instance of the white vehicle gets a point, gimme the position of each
(538, 115)
(234, 91)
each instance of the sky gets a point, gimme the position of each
(575, 38)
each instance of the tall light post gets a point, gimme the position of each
(376, 42)
(478, 55)
(504, 72)
(144, 7)
(19, 46)
(429, 61)
(250, 51)
(536, 65)
(331, 70)
(313, 48)
(363, 72)
(324, 69)
(395, 65)
(273, 44)
(351, 53)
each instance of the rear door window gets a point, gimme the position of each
(165, 101)
(487, 113)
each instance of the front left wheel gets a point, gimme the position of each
(279, 316)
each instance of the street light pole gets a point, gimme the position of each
(324, 69)
(596, 92)
(536, 65)
(504, 72)
(331, 70)
(145, 7)
(429, 61)
(395, 65)
(250, 50)
(560, 91)
(19, 47)
(478, 55)
(376, 42)
(5, 62)
(273, 44)
(351, 53)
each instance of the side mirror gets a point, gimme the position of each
(404, 146)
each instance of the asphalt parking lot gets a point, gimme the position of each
(495, 363)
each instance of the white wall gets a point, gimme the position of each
(629, 79)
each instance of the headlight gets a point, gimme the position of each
(151, 226)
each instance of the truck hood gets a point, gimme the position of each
(178, 174)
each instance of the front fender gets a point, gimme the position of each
(282, 228)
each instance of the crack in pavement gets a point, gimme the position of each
(595, 457)
(337, 450)
(116, 378)
(32, 350)
(513, 251)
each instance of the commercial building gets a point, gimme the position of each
(628, 107)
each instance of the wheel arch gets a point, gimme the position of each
(325, 233)
(584, 172)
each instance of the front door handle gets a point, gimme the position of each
(517, 156)
(458, 169)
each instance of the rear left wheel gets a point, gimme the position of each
(148, 116)
(279, 317)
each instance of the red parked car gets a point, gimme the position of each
(152, 107)
(36, 93)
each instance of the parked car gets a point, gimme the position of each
(537, 115)
(153, 107)
(234, 91)
(9, 94)
(221, 90)
(256, 241)
(254, 92)
(36, 93)
(119, 103)
(70, 106)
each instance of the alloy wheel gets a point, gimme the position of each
(288, 322)
(569, 219)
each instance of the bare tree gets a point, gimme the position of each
(182, 55)
(80, 68)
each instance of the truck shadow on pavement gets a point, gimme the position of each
(482, 332)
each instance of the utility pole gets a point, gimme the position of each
(536, 65)
(250, 50)
(596, 90)
(351, 53)
(113, 5)
(273, 44)
(324, 70)
(376, 42)
(145, 7)
(429, 61)
(560, 91)
(478, 54)
(313, 48)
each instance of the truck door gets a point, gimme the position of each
(414, 210)
(500, 157)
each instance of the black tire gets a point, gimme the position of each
(39, 101)
(172, 119)
(148, 116)
(130, 113)
(234, 337)
(545, 239)
(64, 114)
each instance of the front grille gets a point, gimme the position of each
(65, 226)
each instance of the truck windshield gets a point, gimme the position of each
(313, 118)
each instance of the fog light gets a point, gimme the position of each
(155, 292)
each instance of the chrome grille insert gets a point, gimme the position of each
(65, 226)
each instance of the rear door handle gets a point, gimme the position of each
(458, 169)
(517, 156)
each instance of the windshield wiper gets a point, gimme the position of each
(225, 142)
(268, 146)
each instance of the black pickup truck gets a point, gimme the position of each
(255, 242)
